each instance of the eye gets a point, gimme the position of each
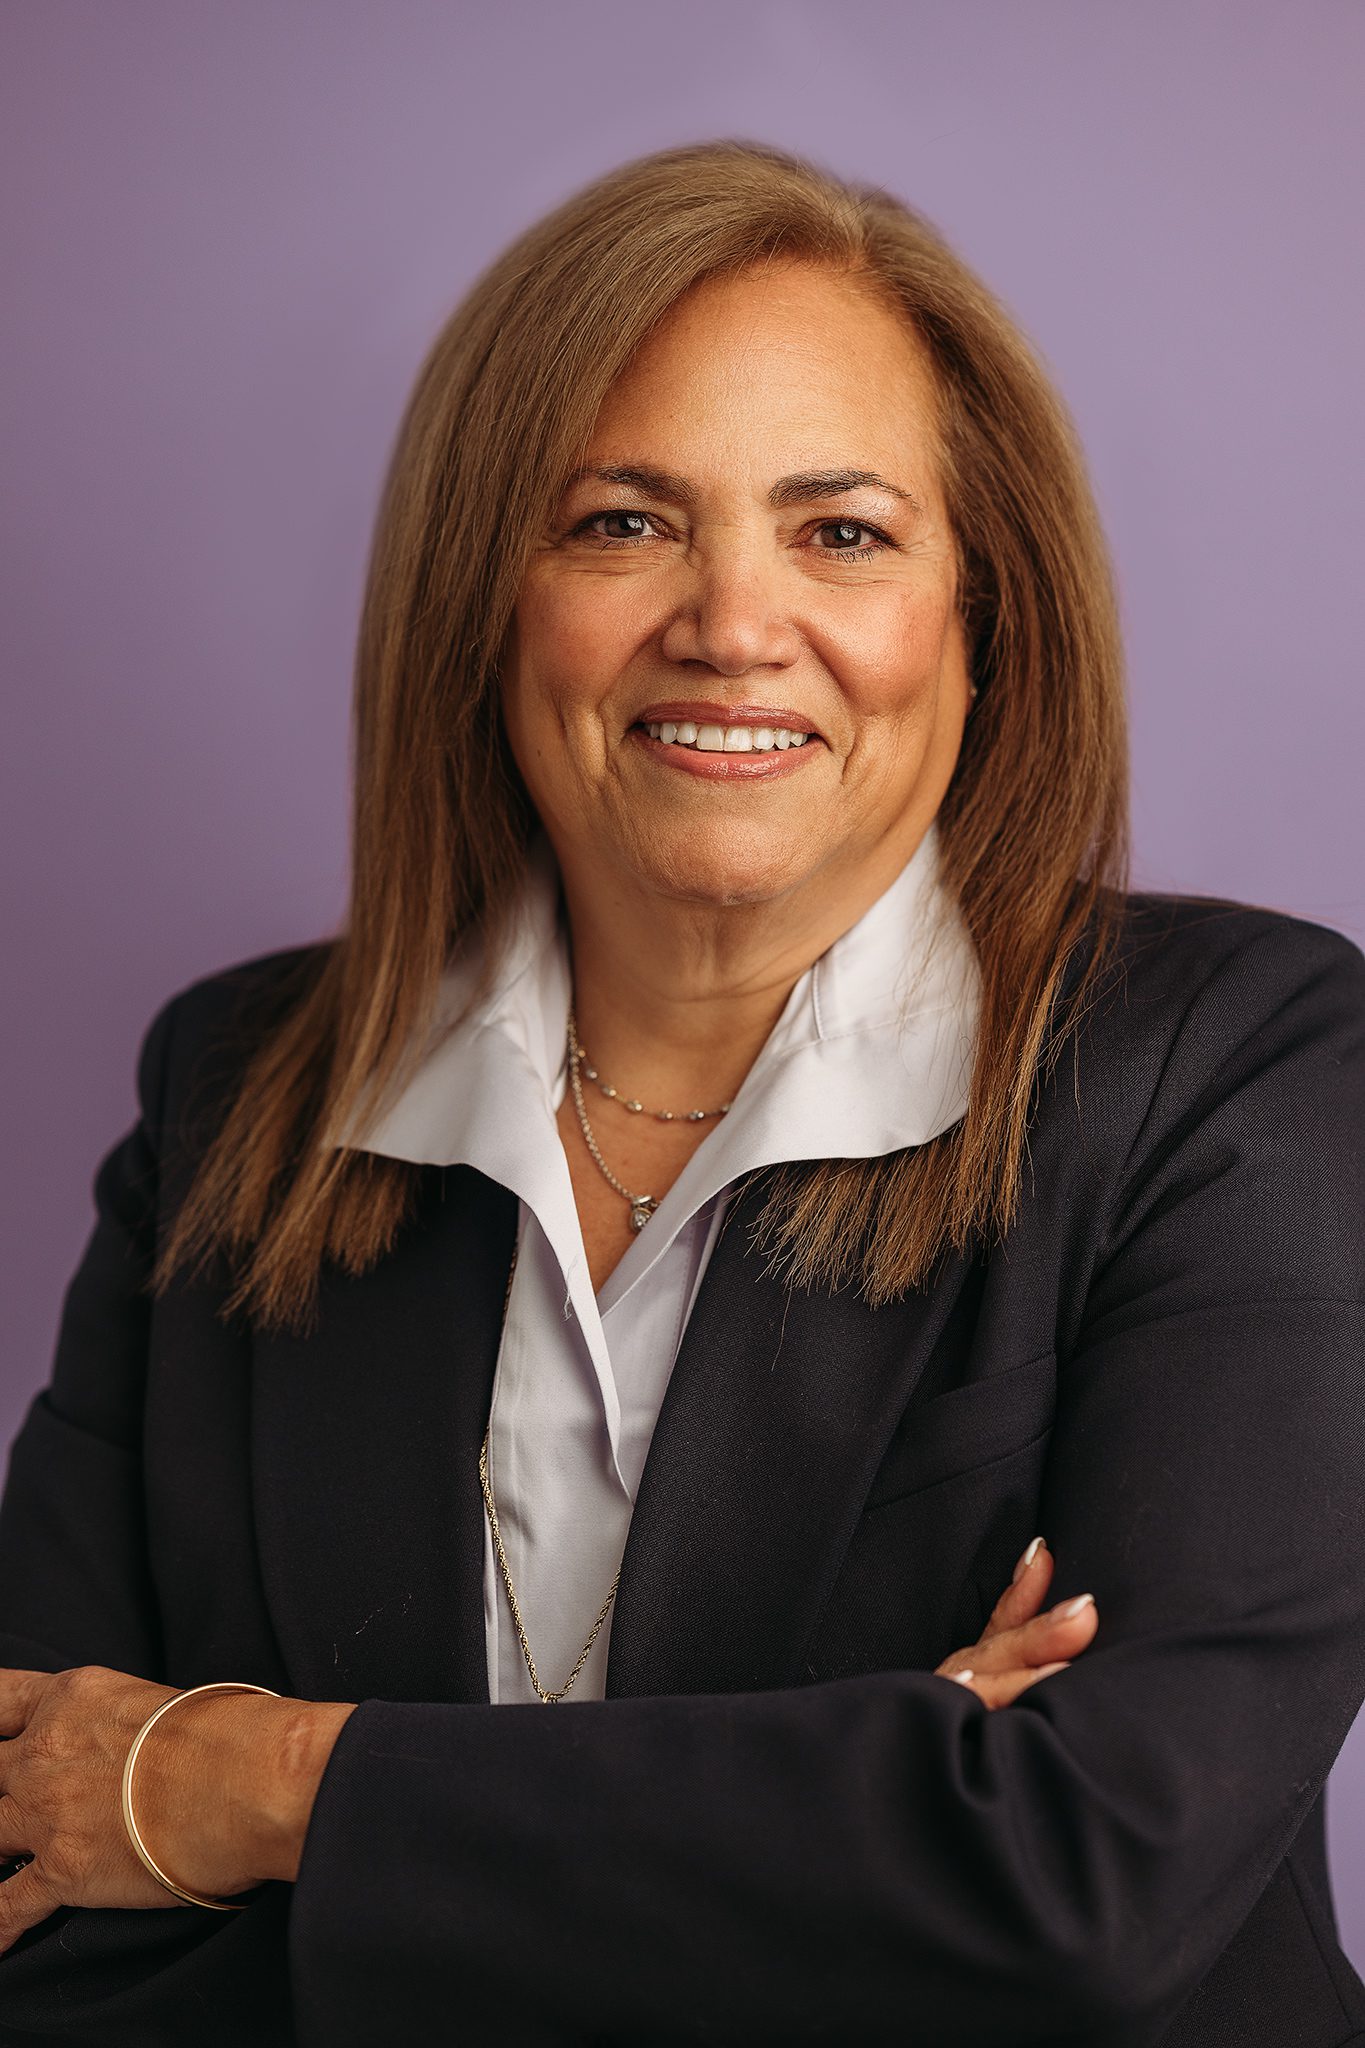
(612, 540)
(844, 550)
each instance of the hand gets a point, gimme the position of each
(222, 1790)
(1018, 1645)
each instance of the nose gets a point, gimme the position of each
(732, 616)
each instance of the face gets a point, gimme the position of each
(736, 666)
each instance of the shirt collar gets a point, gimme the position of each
(872, 1053)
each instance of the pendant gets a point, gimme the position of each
(641, 1211)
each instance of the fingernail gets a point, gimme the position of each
(961, 1677)
(1069, 1608)
(1026, 1560)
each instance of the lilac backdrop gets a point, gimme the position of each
(231, 232)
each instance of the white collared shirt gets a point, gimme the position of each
(872, 1053)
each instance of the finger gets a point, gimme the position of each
(1075, 1619)
(20, 1692)
(1066, 1629)
(1026, 1592)
(25, 1899)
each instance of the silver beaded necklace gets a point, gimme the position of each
(642, 1207)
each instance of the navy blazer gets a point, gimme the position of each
(780, 1826)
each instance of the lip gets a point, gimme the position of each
(675, 709)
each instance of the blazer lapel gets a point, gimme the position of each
(365, 1438)
(773, 1423)
(365, 1442)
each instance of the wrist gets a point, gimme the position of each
(225, 1799)
(304, 1743)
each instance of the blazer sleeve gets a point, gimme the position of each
(76, 1587)
(742, 1867)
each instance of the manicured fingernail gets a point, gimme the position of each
(1071, 1608)
(961, 1677)
(1026, 1560)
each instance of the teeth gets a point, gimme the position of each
(725, 739)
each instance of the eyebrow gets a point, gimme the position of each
(803, 487)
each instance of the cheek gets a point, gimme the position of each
(575, 636)
(889, 668)
(563, 659)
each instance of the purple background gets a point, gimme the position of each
(231, 233)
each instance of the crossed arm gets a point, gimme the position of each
(225, 1792)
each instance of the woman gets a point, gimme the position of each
(747, 1167)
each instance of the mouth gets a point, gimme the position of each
(774, 745)
(726, 729)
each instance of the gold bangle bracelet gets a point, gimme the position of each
(190, 1898)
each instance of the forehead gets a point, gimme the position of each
(783, 356)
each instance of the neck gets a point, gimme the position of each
(674, 1000)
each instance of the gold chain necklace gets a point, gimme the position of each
(642, 1207)
(547, 1698)
(578, 1054)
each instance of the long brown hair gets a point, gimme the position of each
(1033, 827)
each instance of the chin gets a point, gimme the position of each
(733, 867)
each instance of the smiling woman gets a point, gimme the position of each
(604, 1273)
(748, 575)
